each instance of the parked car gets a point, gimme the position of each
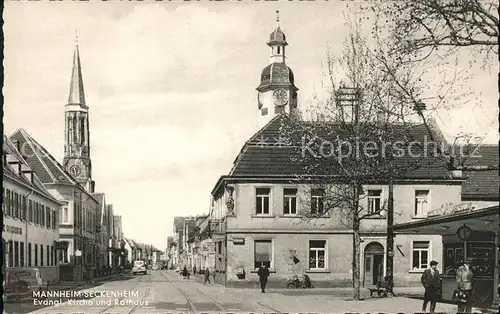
(139, 268)
(20, 283)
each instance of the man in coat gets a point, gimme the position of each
(431, 282)
(263, 273)
(465, 278)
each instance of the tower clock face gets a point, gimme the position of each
(75, 170)
(280, 97)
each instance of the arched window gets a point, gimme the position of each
(279, 51)
(75, 127)
(82, 130)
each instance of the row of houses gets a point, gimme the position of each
(269, 210)
(54, 219)
(52, 222)
(140, 251)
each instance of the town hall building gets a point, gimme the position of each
(257, 213)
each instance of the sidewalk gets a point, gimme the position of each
(72, 285)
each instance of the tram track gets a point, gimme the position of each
(141, 280)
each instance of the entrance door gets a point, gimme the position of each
(373, 264)
(368, 269)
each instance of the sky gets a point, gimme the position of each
(171, 91)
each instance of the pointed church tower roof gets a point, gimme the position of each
(76, 93)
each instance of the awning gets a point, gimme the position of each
(484, 219)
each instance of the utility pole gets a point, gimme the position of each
(390, 231)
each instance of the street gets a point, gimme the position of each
(167, 292)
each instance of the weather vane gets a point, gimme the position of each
(278, 18)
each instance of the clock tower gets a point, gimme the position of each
(76, 133)
(277, 92)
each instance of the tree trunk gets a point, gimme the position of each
(356, 242)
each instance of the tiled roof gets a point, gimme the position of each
(268, 153)
(131, 243)
(482, 183)
(12, 150)
(41, 161)
(47, 168)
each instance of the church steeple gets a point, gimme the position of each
(76, 134)
(76, 92)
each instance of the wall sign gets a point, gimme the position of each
(238, 241)
(12, 229)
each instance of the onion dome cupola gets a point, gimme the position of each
(277, 91)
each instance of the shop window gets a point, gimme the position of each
(262, 201)
(317, 254)
(263, 253)
(420, 255)
(290, 202)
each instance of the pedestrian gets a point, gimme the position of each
(194, 270)
(207, 275)
(263, 273)
(184, 271)
(431, 282)
(465, 279)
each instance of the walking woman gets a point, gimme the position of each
(465, 279)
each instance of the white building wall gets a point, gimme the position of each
(28, 233)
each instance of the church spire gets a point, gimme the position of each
(76, 93)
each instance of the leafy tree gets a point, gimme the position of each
(360, 135)
(424, 26)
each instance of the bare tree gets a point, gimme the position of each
(424, 26)
(358, 136)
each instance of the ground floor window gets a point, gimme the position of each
(263, 253)
(21, 254)
(29, 254)
(11, 253)
(16, 254)
(36, 254)
(317, 254)
(420, 255)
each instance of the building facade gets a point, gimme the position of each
(30, 216)
(118, 250)
(71, 183)
(270, 211)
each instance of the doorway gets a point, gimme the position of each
(373, 264)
